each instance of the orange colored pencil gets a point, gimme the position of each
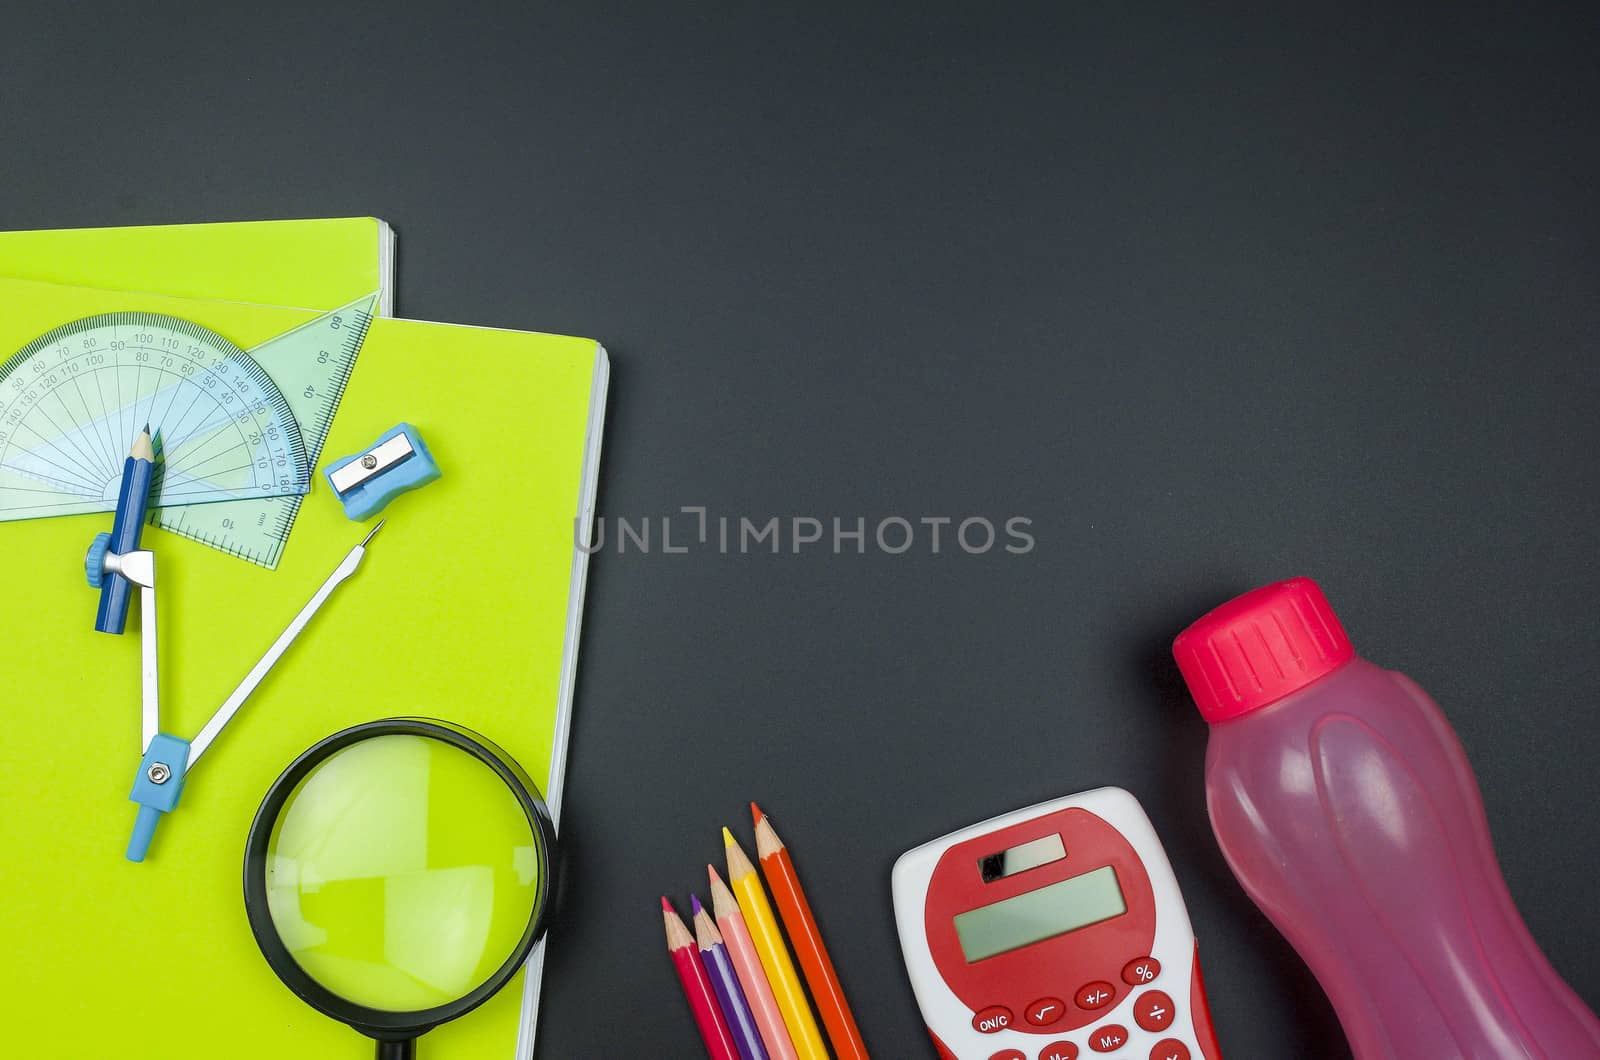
(778, 869)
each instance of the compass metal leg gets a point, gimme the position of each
(140, 569)
(149, 699)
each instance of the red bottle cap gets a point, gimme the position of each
(1260, 647)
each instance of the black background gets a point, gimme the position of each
(1212, 298)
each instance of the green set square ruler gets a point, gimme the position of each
(239, 432)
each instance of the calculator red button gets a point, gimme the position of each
(1095, 995)
(1140, 972)
(1010, 1054)
(1169, 1049)
(1059, 1051)
(1153, 1011)
(1045, 1011)
(1111, 1036)
(992, 1020)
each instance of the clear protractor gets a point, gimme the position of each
(73, 400)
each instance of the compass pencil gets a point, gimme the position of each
(778, 868)
(133, 500)
(697, 988)
(764, 931)
(742, 951)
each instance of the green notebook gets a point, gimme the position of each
(483, 644)
(238, 448)
(318, 264)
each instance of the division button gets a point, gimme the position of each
(1153, 1011)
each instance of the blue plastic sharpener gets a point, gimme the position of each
(366, 482)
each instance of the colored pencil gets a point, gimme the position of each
(742, 951)
(803, 1029)
(725, 981)
(823, 981)
(697, 988)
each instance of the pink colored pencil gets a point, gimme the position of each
(697, 988)
(746, 962)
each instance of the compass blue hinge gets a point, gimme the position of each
(156, 788)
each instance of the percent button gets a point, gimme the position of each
(1141, 971)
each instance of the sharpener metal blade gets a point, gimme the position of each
(373, 462)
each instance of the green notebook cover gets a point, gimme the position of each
(487, 657)
(318, 264)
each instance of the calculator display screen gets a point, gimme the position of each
(1052, 910)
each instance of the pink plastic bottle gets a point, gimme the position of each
(1346, 807)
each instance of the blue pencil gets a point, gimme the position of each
(132, 502)
(725, 982)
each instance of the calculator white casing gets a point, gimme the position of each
(950, 1019)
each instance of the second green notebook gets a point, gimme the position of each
(244, 428)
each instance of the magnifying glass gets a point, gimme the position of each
(397, 874)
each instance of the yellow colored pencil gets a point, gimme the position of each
(786, 988)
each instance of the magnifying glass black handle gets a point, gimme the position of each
(406, 1050)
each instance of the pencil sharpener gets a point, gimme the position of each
(366, 482)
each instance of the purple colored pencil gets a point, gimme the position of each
(725, 984)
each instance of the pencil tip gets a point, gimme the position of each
(694, 904)
(755, 813)
(666, 905)
(727, 838)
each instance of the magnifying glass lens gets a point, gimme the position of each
(401, 873)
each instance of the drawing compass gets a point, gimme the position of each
(168, 759)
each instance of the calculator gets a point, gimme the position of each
(1055, 932)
